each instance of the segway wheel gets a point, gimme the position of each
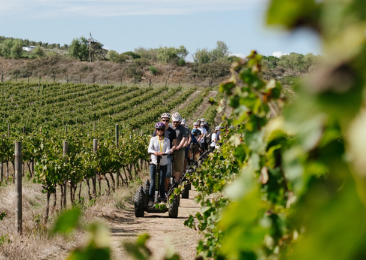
(189, 186)
(173, 208)
(139, 204)
(185, 192)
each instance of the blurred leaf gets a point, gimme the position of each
(67, 221)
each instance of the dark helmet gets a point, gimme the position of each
(160, 125)
(195, 131)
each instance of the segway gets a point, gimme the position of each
(142, 197)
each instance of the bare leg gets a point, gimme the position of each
(166, 184)
(177, 176)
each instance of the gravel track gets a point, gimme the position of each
(165, 232)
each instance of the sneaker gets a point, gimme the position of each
(150, 204)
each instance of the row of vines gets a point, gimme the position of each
(115, 117)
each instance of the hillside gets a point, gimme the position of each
(67, 69)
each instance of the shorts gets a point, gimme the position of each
(169, 167)
(178, 160)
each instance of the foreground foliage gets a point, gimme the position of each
(292, 186)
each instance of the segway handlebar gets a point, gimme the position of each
(167, 154)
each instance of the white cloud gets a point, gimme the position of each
(105, 8)
(240, 55)
(278, 54)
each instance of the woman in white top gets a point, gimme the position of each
(159, 146)
(214, 139)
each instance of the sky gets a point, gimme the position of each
(124, 25)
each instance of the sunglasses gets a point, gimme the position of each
(165, 120)
(159, 130)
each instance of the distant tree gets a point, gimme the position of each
(32, 43)
(270, 62)
(112, 55)
(39, 51)
(26, 42)
(45, 44)
(58, 46)
(7, 44)
(150, 54)
(205, 56)
(132, 54)
(220, 51)
(202, 56)
(233, 58)
(64, 47)
(182, 52)
(167, 54)
(311, 61)
(293, 61)
(17, 49)
(79, 48)
(116, 57)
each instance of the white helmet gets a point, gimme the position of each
(165, 115)
(176, 117)
(202, 124)
(202, 120)
(217, 128)
(195, 124)
(184, 122)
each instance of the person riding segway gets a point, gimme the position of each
(146, 197)
(171, 135)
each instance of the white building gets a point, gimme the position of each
(30, 48)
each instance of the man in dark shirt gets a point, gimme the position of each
(171, 135)
(179, 149)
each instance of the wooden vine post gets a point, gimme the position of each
(18, 186)
(95, 148)
(65, 150)
(2, 163)
(116, 140)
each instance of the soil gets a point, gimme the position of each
(165, 232)
(201, 109)
(186, 103)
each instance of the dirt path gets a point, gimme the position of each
(228, 111)
(165, 232)
(201, 109)
(185, 103)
